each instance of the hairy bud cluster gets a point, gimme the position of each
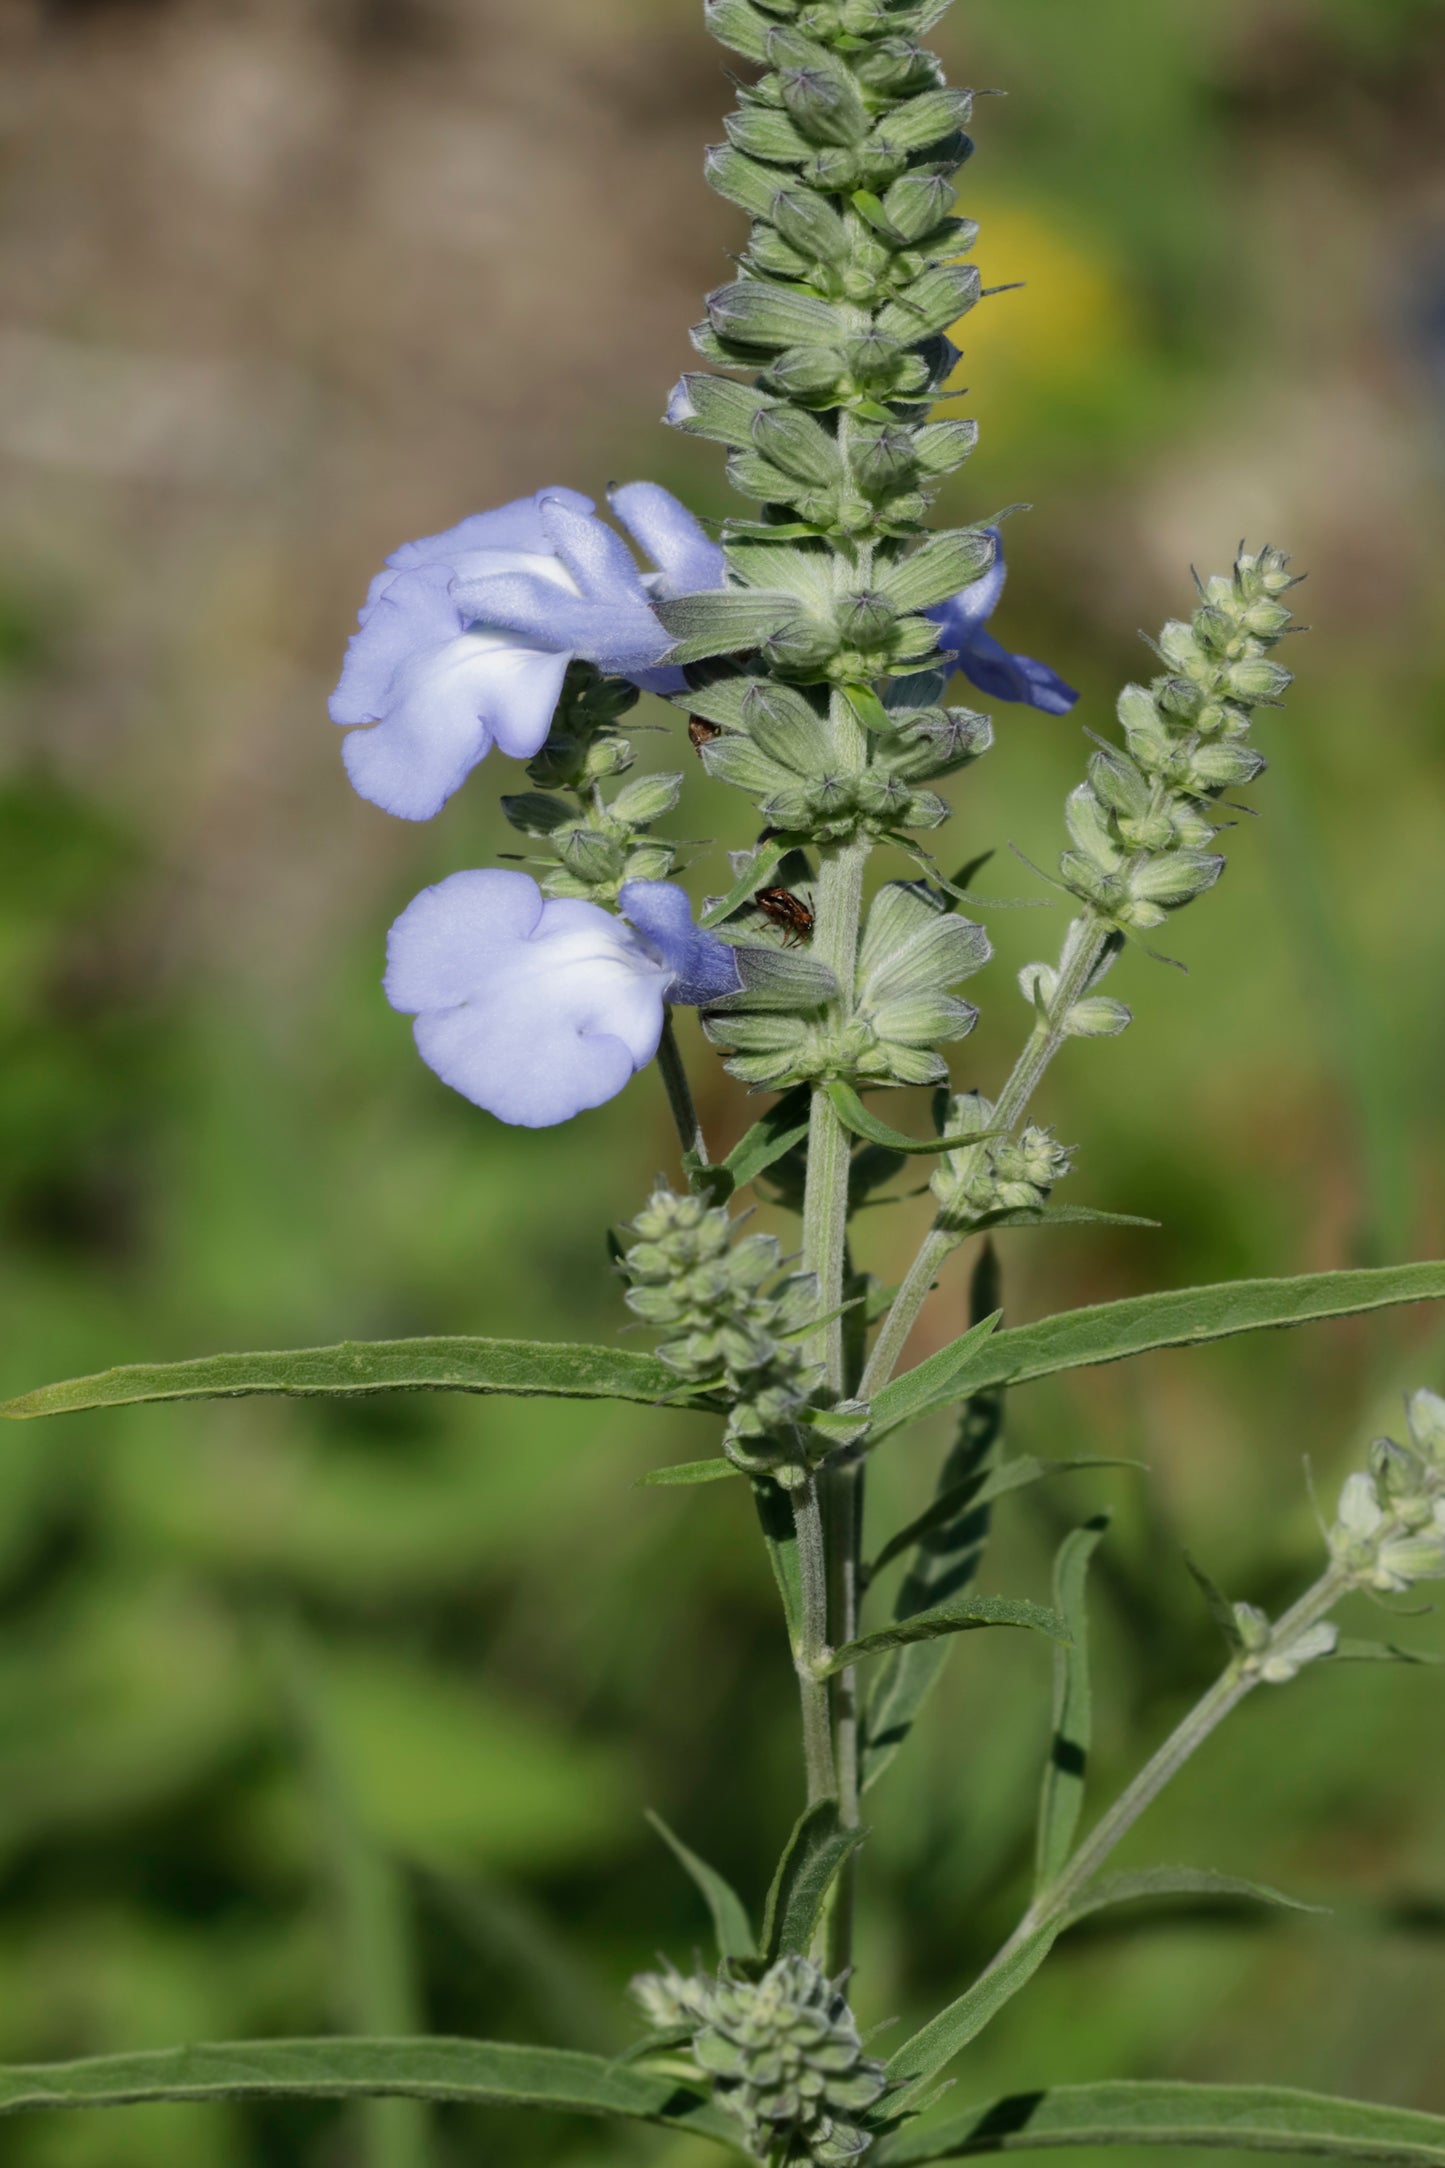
(1143, 824)
(998, 1174)
(841, 151)
(783, 2053)
(915, 948)
(780, 743)
(594, 845)
(730, 1320)
(1390, 1529)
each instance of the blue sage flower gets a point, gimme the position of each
(536, 1009)
(465, 637)
(985, 661)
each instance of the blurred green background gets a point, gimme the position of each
(315, 1719)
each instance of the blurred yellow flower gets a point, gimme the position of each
(1071, 323)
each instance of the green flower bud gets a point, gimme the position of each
(1425, 1413)
(917, 203)
(811, 225)
(785, 2056)
(639, 803)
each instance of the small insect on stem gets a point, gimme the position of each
(788, 911)
(701, 733)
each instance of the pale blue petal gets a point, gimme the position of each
(619, 634)
(703, 968)
(598, 560)
(534, 1010)
(436, 707)
(685, 555)
(514, 526)
(416, 614)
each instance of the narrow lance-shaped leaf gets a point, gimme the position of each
(770, 1139)
(780, 1536)
(519, 1369)
(960, 1615)
(478, 2073)
(806, 1872)
(1238, 2118)
(855, 1116)
(1164, 1882)
(730, 1921)
(934, 2046)
(680, 1473)
(1014, 1475)
(1111, 1331)
(948, 1553)
(1062, 1796)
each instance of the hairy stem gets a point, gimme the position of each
(1228, 1691)
(811, 1649)
(1085, 947)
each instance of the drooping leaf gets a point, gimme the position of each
(1148, 1882)
(811, 1859)
(856, 1117)
(1350, 1649)
(934, 2046)
(520, 1369)
(760, 865)
(1111, 1331)
(681, 1472)
(780, 1536)
(1062, 1796)
(960, 1615)
(947, 1556)
(480, 2073)
(730, 1921)
(1238, 2118)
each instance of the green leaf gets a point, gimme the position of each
(521, 1369)
(780, 1535)
(1239, 2118)
(811, 1859)
(1019, 1474)
(1062, 1797)
(1136, 1888)
(687, 1471)
(1349, 1650)
(852, 1113)
(1110, 1331)
(948, 1555)
(960, 1615)
(933, 2047)
(770, 1139)
(730, 1921)
(480, 2073)
(1221, 1610)
(760, 865)
(1060, 1215)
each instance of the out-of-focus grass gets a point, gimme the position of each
(213, 1132)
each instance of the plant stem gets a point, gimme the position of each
(810, 1651)
(679, 1093)
(838, 910)
(1085, 946)
(1228, 1691)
